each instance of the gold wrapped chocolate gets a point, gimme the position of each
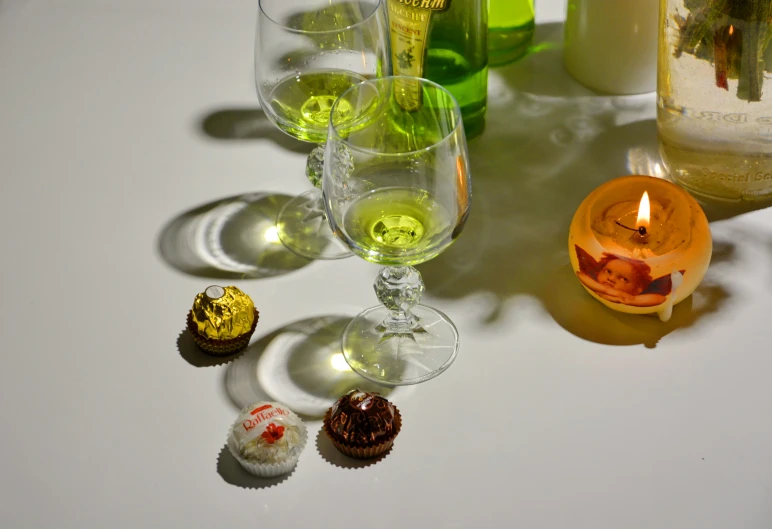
(223, 313)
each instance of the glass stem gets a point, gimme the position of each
(314, 172)
(315, 166)
(399, 288)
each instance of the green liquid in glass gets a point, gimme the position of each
(302, 103)
(398, 226)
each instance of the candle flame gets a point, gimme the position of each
(644, 211)
(731, 30)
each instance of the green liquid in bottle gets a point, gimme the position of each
(445, 41)
(510, 30)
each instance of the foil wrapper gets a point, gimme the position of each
(362, 418)
(267, 433)
(223, 313)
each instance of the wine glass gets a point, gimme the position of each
(308, 52)
(397, 191)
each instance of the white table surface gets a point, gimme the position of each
(119, 120)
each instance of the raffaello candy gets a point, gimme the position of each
(267, 439)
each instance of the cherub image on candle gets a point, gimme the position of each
(622, 280)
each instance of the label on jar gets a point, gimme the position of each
(732, 118)
(409, 26)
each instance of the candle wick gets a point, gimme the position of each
(641, 230)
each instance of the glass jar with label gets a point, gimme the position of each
(714, 106)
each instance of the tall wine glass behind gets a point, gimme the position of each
(397, 191)
(307, 53)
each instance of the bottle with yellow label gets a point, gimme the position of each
(444, 41)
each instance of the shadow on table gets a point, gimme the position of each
(548, 143)
(333, 456)
(232, 238)
(247, 124)
(580, 314)
(232, 472)
(193, 354)
(718, 210)
(300, 365)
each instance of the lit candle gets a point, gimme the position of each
(640, 245)
(644, 212)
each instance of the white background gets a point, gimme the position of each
(119, 119)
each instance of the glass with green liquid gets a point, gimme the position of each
(397, 190)
(510, 30)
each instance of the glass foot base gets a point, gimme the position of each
(303, 228)
(402, 357)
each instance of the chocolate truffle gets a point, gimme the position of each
(222, 320)
(362, 424)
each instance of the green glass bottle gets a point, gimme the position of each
(510, 30)
(445, 41)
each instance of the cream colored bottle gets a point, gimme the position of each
(611, 45)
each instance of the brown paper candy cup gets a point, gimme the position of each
(221, 347)
(359, 451)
